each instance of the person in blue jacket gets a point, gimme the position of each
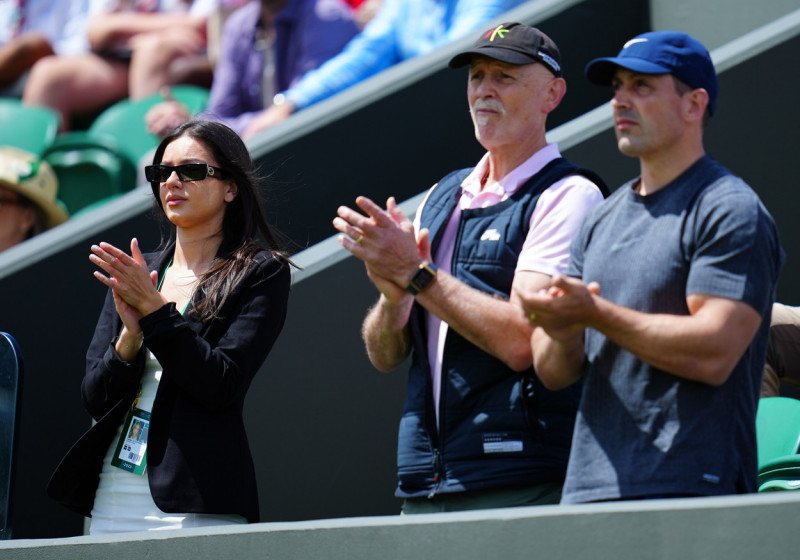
(267, 46)
(402, 29)
(180, 337)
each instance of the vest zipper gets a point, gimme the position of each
(437, 480)
(437, 454)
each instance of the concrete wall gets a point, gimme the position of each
(733, 528)
(715, 22)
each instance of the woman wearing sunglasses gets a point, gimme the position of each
(180, 337)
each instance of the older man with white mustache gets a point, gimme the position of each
(478, 429)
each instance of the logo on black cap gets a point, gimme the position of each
(497, 31)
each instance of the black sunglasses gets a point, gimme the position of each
(186, 172)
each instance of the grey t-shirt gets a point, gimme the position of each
(641, 431)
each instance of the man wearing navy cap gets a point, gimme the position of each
(665, 307)
(478, 428)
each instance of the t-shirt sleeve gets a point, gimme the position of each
(735, 252)
(556, 219)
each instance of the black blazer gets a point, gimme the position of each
(198, 457)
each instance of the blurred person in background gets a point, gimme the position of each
(783, 352)
(137, 47)
(400, 30)
(34, 29)
(267, 46)
(28, 203)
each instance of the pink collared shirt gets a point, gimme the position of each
(555, 220)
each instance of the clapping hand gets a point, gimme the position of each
(132, 284)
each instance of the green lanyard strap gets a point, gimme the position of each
(161, 281)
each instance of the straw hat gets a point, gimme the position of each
(25, 174)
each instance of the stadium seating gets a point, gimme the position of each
(125, 120)
(28, 128)
(778, 432)
(90, 168)
(100, 163)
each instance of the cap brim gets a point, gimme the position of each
(503, 55)
(600, 71)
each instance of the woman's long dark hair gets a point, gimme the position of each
(245, 231)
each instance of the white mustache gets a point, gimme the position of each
(490, 104)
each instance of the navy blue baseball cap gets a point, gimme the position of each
(661, 52)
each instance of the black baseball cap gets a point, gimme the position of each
(514, 43)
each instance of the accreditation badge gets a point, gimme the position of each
(131, 451)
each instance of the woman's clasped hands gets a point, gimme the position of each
(132, 283)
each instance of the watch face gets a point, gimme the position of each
(422, 279)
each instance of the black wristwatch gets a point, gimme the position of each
(423, 278)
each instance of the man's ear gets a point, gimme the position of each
(696, 104)
(557, 91)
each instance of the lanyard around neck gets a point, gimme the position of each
(161, 281)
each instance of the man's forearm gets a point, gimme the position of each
(495, 325)
(558, 363)
(386, 333)
(703, 346)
